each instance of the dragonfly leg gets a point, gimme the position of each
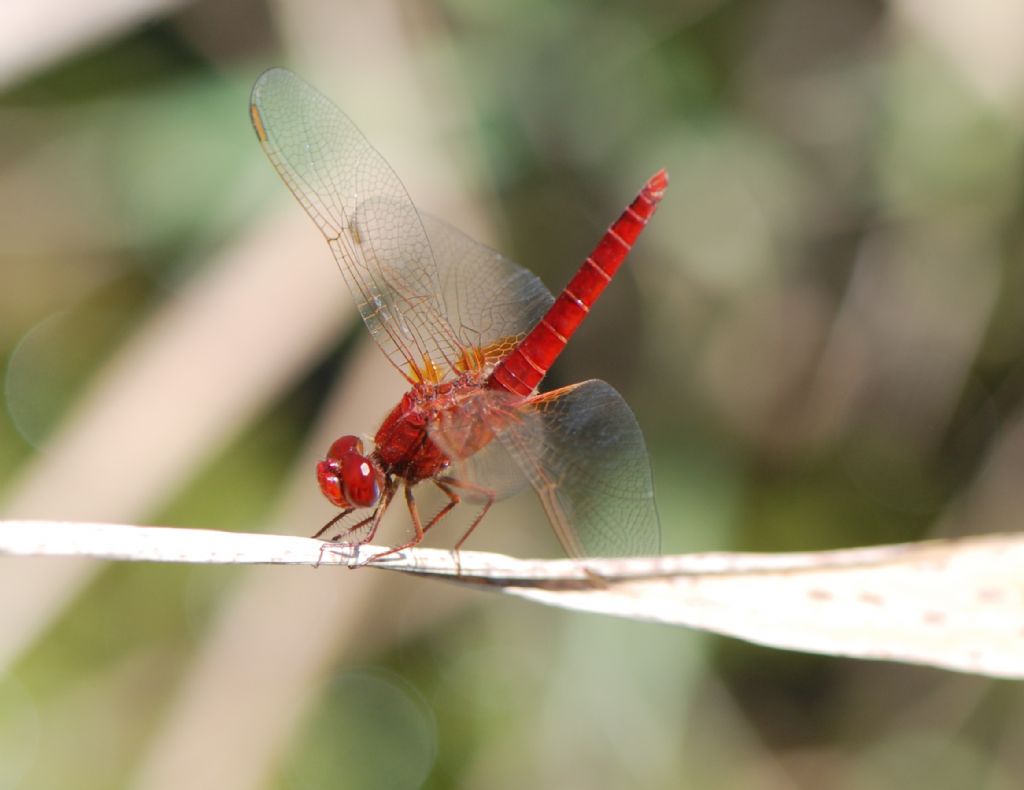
(326, 527)
(486, 493)
(417, 523)
(336, 538)
(453, 500)
(447, 485)
(374, 520)
(332, 522)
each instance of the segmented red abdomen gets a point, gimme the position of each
(522, 370)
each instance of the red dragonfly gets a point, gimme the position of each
(473, 333)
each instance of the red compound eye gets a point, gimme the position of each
(330, 483)
(360, 479)
(347, 477)
(343, 445)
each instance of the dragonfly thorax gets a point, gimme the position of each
(404, 447)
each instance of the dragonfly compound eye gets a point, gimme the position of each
(327, 475)
(360, 479)
(344, 445)
(347, 477)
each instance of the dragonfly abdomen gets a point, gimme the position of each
(522, 370)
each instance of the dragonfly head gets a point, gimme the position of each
(347, 477)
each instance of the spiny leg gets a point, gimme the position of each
(334, 538)
(374, 519)
(417, 524)
(355, 528)
(332, 522)
(453, 500)
(486, 493)
(489, 495)
(326, 527)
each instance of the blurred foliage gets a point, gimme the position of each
(820, 333)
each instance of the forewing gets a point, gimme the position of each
(368, 218)
(590, 469)
(491, 301)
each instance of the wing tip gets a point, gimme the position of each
(255, 96)
(273, 74)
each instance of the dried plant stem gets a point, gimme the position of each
(957, 604)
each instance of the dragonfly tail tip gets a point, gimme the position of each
(657, 184)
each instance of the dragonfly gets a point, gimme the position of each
(473, 333)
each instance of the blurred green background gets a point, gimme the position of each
(821, 334)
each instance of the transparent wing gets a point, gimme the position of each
(590, 469)
(491, 302)
(466, 436)
(368, 218)
(580, 448)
